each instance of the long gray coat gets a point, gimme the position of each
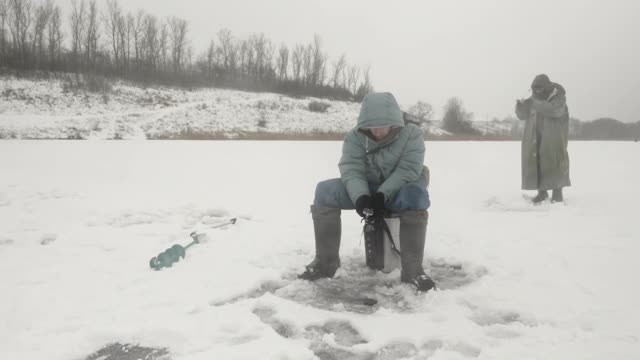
(550, 119)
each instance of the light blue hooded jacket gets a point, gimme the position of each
(394, 161)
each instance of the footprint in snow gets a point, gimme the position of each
(453, 275)
(359, 289)
(329, 341)
(515, 205)
(336, 340)
(266, 315)
(118, 351)
(500, 324)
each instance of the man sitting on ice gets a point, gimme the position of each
(381, 170)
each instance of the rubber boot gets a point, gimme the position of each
(556, 196)
(413, 232)
(542, 196)
(327, 228)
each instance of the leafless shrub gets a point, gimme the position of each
(317, 106)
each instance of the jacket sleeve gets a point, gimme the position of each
(409, 167)
(523, 109)
(352, 167)
(554, 108)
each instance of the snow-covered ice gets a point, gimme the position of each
(79, 222)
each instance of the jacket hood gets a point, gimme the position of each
(379, 110)
(559, 89)
(556, 89)
(541, 81)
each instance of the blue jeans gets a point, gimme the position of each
(333, 194)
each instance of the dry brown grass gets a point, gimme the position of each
(248, 135)
(190, 134)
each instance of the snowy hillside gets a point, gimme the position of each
(45, 109)
(52, 109)
(79, 221)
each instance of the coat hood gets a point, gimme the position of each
(379, 110)
(541, 81)
(559, 89)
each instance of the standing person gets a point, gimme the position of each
(545, 160)
(381, 169)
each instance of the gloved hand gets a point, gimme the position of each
(364, 202)
(378, 204)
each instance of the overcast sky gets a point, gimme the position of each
(485, 52)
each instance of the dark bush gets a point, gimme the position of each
(317, 106)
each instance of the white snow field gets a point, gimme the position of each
(79, 221)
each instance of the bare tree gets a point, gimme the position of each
(423, 111)
(163, 45)
(150, 42)
(282, 62)
(92, 34)
(111, 18)
(296, 61)
(20, 24)
(365, 86)
(136, 27)
(54, 35)
(259, 44)
(210, 59)
(318, 62)
(456, 120)
(267, 65)
(178, 43)
(307, 65)
(322, 71)
(41, 18)
(337, 74)
(234, 58)
(344, 84)
(125, 24)
(226, 48)
(4, 14)
(243, 52)
(353, 76)
(188, 58)
(257, 55)
(251, 58)
(78, 24)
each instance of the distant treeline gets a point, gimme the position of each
(604, 129)
(109, 41)
(599, 129)
(458, 122)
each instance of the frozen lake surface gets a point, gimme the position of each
(79, 221)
